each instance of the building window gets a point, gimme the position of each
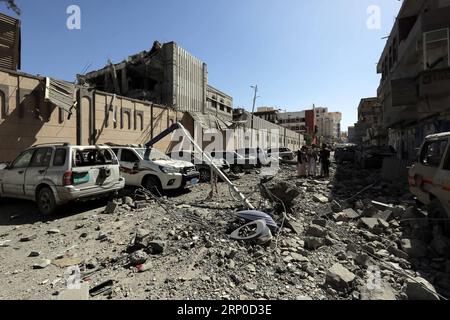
(436, 49)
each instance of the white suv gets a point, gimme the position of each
(154, 170)
(54, 174)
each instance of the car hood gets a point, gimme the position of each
(173, 163)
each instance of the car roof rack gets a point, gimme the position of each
(64, 144)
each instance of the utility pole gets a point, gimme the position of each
(253, 111)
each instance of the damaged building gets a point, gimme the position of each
(415, 68)
(167, 75)
(368, 130)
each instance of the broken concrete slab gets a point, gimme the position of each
(53, 231)
(385, 215)
(111, 207)
(316, 231)
(42, 264)
(320, 198)
(76, 294)
(346, 215)
(368, 223)
(383, 293)
(67, 262)
(340, 278)
(420, 289)
(28, 238)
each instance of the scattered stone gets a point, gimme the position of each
(128, 201)
(53, 231)
(34, 254)
(339, 278)
(299, 258)
(111, 208)
(414, 248)
(368, 223)
(138, 257)
(250, 287)
(314, 243)
(67, 262)
(320, 198)
(156, 247)
(101, 236)
(420, 289)
(385, 215)
(320, 222)
(397, 252)
(347, 215)
(383, 293)
(28, 238)
(91, 263)
(4, 243)
(42, 264)
(316, 231)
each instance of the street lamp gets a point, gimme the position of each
(253, 111)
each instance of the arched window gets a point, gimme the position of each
(126, 119)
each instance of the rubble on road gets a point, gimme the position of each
(312, 239)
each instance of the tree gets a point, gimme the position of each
(12, 5)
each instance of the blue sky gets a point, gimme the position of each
(298, 52)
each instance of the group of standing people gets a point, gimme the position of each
(309, 157)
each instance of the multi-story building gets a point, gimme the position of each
(415, 75)
(351, 135)
(167, 75)
(270, 114)
(219, 103)
(370, 118)
(295, 121)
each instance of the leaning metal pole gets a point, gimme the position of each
(216, 169)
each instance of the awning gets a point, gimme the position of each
(209, 121)
(60, 93)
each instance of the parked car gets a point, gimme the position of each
(262, 159)
(238, 163)
(429, 178)
(371, 157)
(201, 165)
(345, 153)
(154, 170)
(54, 174)
(283, 153)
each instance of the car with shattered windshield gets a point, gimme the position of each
(152, 169)
(54, 174)
(429, 177)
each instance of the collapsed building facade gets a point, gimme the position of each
(415, 68)
(368, 130)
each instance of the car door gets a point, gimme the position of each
(129, 166)
(37, 170)
(428, 167)
(442, 178)
(14, 178)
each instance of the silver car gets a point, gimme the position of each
(54, 174)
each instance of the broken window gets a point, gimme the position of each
(60, 157)
(93, 157)
(433, 152)
(436, 49)
(41, 157)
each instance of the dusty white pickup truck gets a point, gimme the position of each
(429, 178)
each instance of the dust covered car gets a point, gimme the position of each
(54, 174)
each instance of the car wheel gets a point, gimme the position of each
(46, 201)
(153, 185)
(437, 211)
(205, 175)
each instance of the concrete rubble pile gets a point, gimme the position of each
(334, 242)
